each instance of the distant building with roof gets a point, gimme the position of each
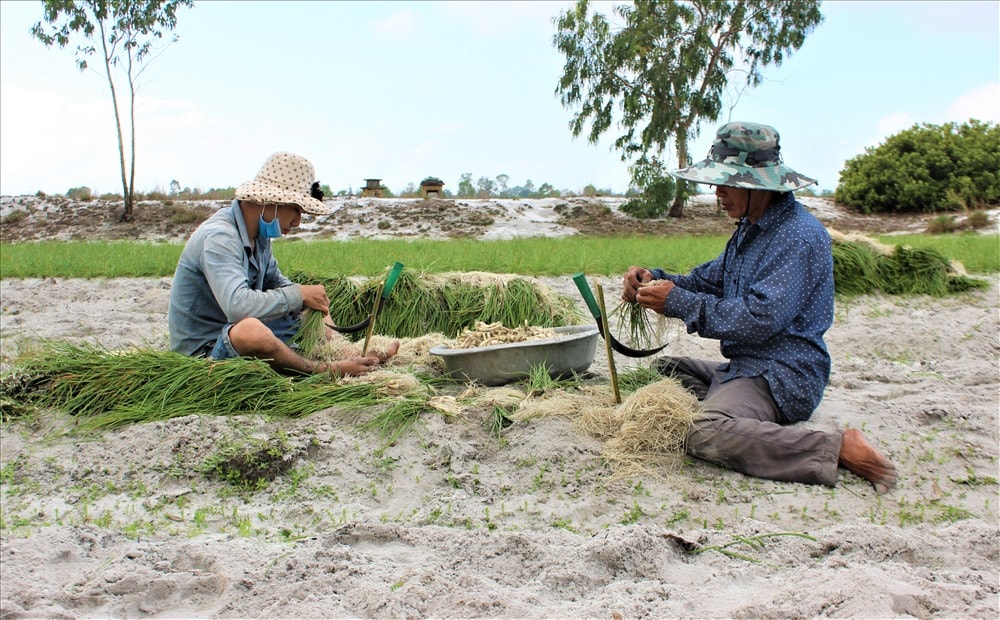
(432, 187)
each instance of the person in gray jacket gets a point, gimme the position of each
(230, 299)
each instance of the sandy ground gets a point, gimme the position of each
(452, 522)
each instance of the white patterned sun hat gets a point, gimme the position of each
(284, 178)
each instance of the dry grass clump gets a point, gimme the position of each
(563, 403)
(448, 405)
(598, 421)
(414, 352)
(556, 403)
(647, 431)
(503, 397)
(857, 238)
(332, 350)
(387, 382)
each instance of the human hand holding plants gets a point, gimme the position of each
(634, 278)
(314, 297)
(653, 295)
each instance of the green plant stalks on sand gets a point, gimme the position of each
(754, 542)
(396, 419)
(109, 389)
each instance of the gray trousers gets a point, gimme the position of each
(742, 428)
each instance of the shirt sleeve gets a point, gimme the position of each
(273, 278)
(705, 278)
(779, 282)
(222, 260)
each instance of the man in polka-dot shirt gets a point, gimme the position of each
(768, 299)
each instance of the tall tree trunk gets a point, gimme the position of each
(126, 215)
(680, 193)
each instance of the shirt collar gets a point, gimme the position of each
(776, 212)
(241, 225)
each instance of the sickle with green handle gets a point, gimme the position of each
(387, 285)
(595, 311)
(390, 281)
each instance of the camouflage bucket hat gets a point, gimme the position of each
(745, 155)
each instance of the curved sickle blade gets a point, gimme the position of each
(626, 350)
(588, 297)
(350, 329)
(390, 282)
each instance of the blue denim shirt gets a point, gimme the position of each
(220, 280)
(768, 299)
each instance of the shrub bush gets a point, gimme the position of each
(978, 219)
(82, 193)
(15, 216)
(183, 215)
(942, 224)
(924, 169)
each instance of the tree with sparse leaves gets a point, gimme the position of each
(485, 187)
(665, 68)
(465, 187)
(123, 34)
(502, 189)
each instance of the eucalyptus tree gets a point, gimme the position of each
(665, 68)
(465, 187)
(123, 34)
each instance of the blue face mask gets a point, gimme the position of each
(269, 230)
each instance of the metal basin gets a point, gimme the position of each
(571, 350)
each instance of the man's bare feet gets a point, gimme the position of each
(860, 457)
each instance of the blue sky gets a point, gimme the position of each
(405, 90)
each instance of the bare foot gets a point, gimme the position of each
(860, 457)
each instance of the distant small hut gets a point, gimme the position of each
(372, 189)
(431, 187)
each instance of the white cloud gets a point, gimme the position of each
(493, 19)
(982, 103)
(892, 124)
(845, 149)
(966, 19)
(46, 133)
(424, 149)
(168, 116)
(399, 25)
(447, 128)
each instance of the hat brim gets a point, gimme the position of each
(265, 192)
(777, 178)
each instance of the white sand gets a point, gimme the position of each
(449, 522)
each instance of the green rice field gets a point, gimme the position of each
(528, 256)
